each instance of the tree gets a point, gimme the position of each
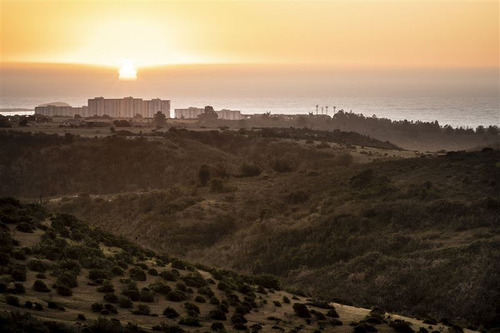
(159, 119)
(208, 114)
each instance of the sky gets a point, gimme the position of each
(242, 47)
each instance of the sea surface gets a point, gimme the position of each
(454, 111)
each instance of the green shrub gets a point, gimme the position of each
(168, 328)
(40, 286)
(277, 304)
(286, 300)
(152, 272)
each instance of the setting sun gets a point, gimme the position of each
(127, 71)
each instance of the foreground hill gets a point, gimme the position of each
(61, 275)
(416, 235)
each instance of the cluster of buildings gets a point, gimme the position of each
(193, 113)
(129, 107)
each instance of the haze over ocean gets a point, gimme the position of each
(454, 111)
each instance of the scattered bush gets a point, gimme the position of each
(170, 312)
(200, 299)
(110, 297)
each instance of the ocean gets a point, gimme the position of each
(454, 111)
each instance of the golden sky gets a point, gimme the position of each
(407, 34)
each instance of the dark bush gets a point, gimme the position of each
(169, 276)
(81, 317)
(200, 299)
(106, 287)
(217, 315)
(64, 290)
(238, 318)
(110, 308)
(40, 286)
(124, 302)
(301, 310)
(110, 297)
(17, 289)
(168, 328)
(297, 197)
(12, 300)
(18, 275)
(218, 326)
(137, 274)
(214, 300)
(67, 279)
(147, 296)
(401, 326)
(176, 296)
(190, 321)
(152, 272)
(332, 313)
(277, 303)
(37, 266)
(142, 309)
(247, 170)
(192, 309)
(170, 313)
(178, 264)
(286, 300)
(97, 307)
(95, 274)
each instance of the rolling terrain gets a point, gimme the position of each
(341, 216)
(61, 275)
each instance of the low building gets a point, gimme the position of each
(189, 113)
(60, 110)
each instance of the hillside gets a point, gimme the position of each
(415, 235)
(61, 275)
